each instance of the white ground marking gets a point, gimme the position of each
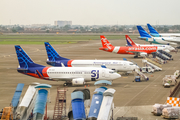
(142, 91)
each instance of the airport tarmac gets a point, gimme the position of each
(132, 99)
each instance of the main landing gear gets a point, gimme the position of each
(136, 56)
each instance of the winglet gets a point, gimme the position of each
(130, 42)
(142, 32)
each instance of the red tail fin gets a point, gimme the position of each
(129, 41)
(105, 42)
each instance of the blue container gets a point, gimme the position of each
(78, 109)
(17, 94)
(41, 100)
(137, 79)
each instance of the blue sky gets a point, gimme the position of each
(90, 12)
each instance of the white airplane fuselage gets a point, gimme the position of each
(117, 65)
(86, 73)
(167, 35)
(160, 40)
(166, 48)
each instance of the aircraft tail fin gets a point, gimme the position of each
(142, 32)
(105, 42)
(52, 54)
(24, 60)
(151, 29)
(130, 42)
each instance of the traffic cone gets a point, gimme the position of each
(85, 86)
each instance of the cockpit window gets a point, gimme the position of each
(131, 64)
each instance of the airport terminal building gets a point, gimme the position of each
(62, 23)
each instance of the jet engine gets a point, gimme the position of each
(78, 81)
(143, 54)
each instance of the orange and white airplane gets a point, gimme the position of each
(133, 50)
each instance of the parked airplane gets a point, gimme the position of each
(157, 40)
(154, 33)
(137, 51)
(75, 75)
(166, 48)
(55, 59)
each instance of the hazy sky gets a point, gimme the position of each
(90, 12)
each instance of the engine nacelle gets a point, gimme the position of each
(78, 81)
(143, 54)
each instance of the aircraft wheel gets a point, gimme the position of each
(135, 56)
(127, 74)
(65, 84)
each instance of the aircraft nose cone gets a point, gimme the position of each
(136, 67)
(117, 75)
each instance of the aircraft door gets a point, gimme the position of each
(107, 74)
(124, 66)
(103, 73)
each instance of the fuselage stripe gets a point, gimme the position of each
(69, 63)
(44, 72)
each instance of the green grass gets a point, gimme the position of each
(54, 39)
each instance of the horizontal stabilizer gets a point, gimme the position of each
(103, 66)
(21, 69)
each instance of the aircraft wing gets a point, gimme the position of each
(138, 53)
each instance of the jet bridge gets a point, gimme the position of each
(160, 56)
(166, 54)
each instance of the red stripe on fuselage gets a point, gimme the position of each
(69, 63)
(44, 72)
